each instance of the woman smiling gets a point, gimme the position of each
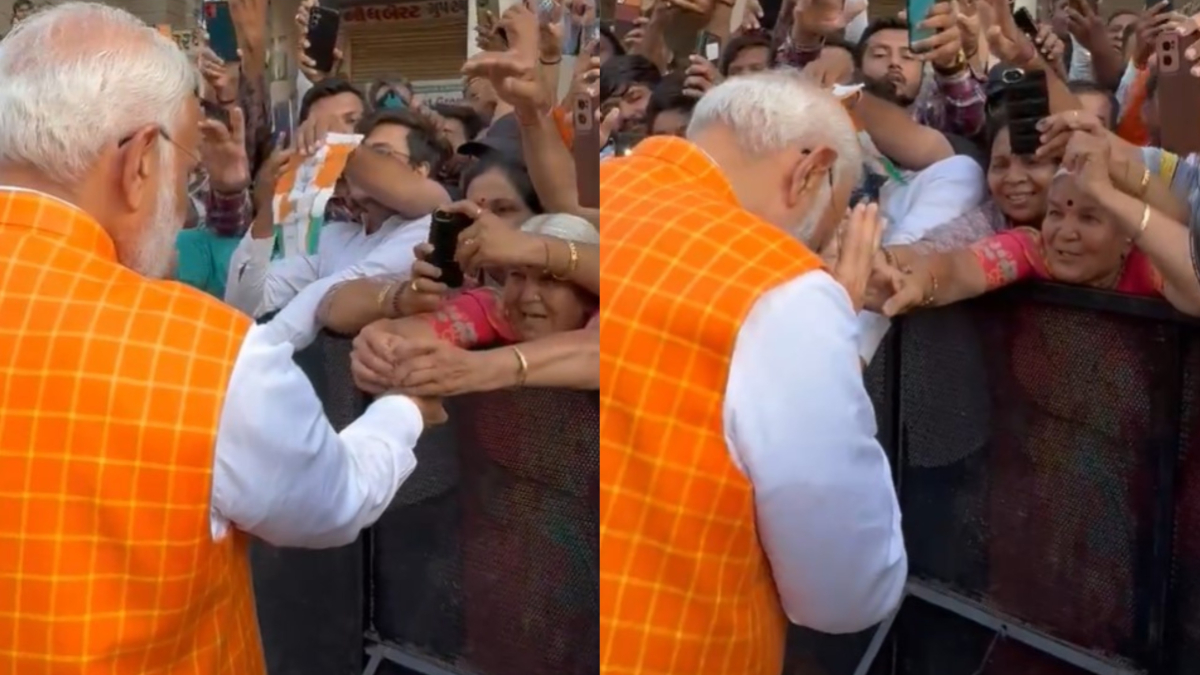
(1093, 235)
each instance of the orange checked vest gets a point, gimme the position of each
(111, 387)
(685, 588)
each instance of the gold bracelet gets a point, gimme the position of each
(571, 265)
(1145, 185)
(384, 301)
(522, 367)
(1145, 222)
(933, 289)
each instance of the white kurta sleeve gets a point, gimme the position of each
(800, 424)
(257, 285)
(281, 472)
(297, 322)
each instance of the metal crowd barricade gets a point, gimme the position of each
(1045, 446)
(486, 563)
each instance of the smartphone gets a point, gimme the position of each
(1178, 94)
(443, 235)
(624, 143)
(222, 34)
(917, 11)
(708, 46)
(1026, 102)
(215, 112)
(1025, 22)
(323, 27)
(585, 149)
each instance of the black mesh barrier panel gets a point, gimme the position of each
(1029, 469)
(499, 575)
(310, 603)
(933, 641)
(1184, 617)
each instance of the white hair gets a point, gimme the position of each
(771, 110)
(563, 226)
(79, 77)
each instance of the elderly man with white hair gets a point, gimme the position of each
(145, 428)
(741, 482)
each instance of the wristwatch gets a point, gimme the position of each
(960, 62)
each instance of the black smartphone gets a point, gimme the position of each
(1026, 102)
(323, 27)
(443, 235)
(222, 33)
(1025, 22)
(708, 46)
(624, 143)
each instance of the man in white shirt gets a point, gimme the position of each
(742, 482)
(146, 430)
(381, 244)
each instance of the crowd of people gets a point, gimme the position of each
(768, 213)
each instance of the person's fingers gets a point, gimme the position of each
(422, 269)
(214, 132)
(367, 376)
(467, 255)
(939, 21)
(905, 298)
(237, 124)
(465, 207)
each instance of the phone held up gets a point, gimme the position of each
(1178, 94)
(323, 26)
(222, 34)
(1025, 22)
(708, 46)
(1026, 102)
(443, 236)
(917, 11)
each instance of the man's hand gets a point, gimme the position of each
(513, 77)
(308, 66)
(221, 77)
(550, 32)
(701, 76)
(1150, 25)
(1087, 26)
(833, 66)
(520, 24)
(250, 18)
(1051, 47)
(814, 20)
(944, 48)
(372, 358)
(487, 34)
(223, 152)
(265, 182)
(851, 254)
(1006, 39)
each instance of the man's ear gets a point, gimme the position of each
(423, 169)
(135, 166)
(814, 169)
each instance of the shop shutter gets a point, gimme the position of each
(426, 50)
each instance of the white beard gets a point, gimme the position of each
(155, 253)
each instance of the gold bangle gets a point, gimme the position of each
(933, 289)
(1145, 221)
(384, 301)
(572, 264)
(522, 367)
(1145, 184)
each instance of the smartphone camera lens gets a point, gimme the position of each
(581, 120)
(1166, 60)
(581, 104)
